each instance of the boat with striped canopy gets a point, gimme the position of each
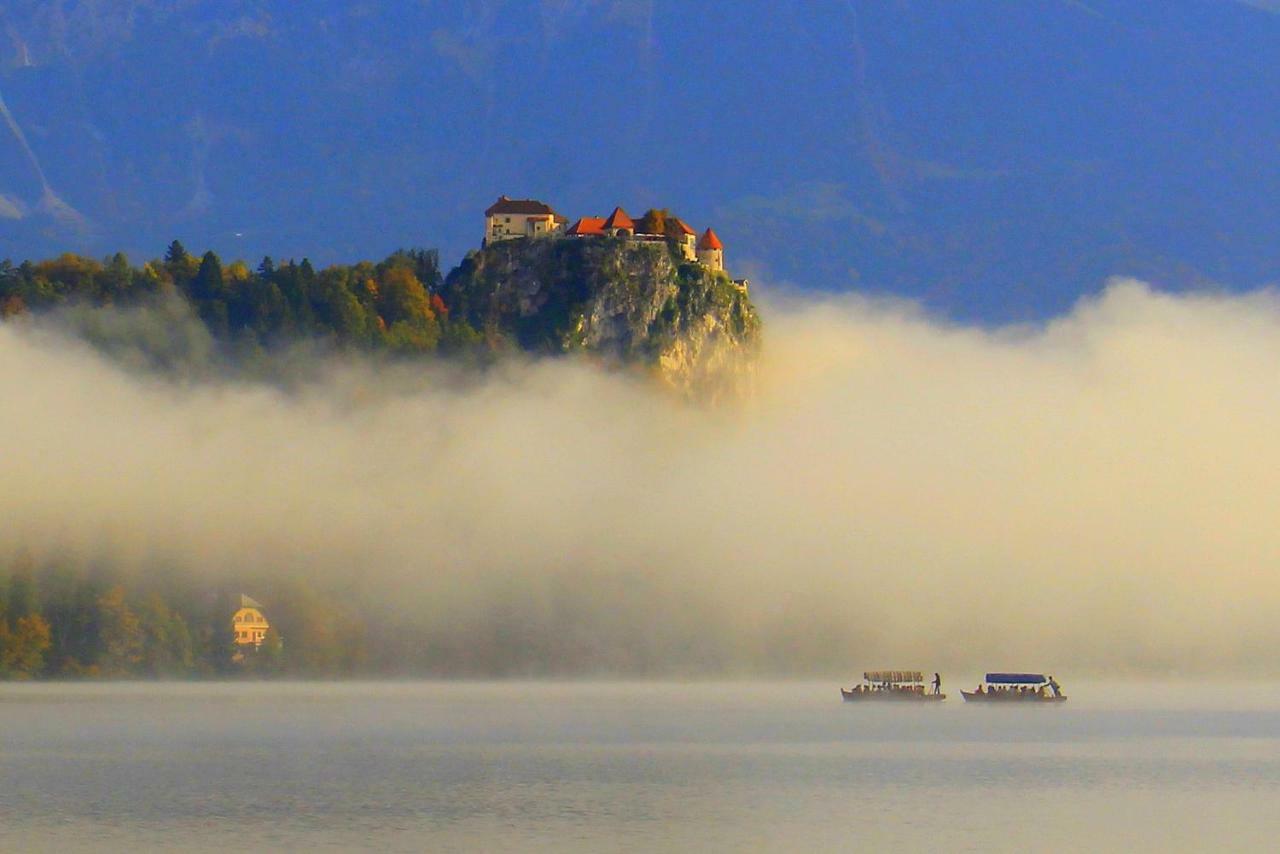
(891, 685)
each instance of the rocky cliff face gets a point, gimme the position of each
(623, 301)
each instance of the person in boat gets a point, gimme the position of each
(1054, 687)
(979, 690)
(937, 683)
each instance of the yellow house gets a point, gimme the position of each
(507, 219)
(249, 624)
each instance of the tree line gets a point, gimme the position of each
(62, 620)
(72, 619)
(394, 305)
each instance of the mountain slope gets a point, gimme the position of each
(995, 159)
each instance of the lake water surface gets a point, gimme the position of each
(632, 766)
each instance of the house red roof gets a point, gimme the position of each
(587, 225)
(709, 241)
(619, 219)
(526, 207)
(681, 227)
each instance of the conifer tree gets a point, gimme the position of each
(209, 291)
(175, 254)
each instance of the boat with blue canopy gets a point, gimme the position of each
(1016, 688)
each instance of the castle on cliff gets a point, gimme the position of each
(509, 219)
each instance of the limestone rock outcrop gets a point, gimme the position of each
(623, 301)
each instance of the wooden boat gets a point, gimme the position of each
(900, 686)
(1016, 688)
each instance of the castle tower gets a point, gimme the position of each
(619, 224)
(711, 251)
(686, 239)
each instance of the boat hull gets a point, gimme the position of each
(890, 697)
(1030, 699)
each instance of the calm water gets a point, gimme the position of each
(632, 767)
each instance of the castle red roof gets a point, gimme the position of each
(680, 225)
(587, 225)
(526, 207)
(710, 241)
(619, 219)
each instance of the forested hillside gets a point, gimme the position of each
(626, 302)
(394, 304)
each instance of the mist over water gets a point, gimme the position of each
(637, 766)
(1095, 494)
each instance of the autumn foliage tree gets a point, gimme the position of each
(121, 638)
(23, 646)
(654, 221)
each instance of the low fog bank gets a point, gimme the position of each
(1091, 495)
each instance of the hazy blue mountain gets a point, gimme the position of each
(996, 158)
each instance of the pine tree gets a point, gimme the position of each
(175, 254)
(209, 292)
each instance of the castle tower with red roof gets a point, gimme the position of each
(619, 224)
(686, 239)
(711, 251)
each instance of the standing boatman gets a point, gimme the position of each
(937, 683)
